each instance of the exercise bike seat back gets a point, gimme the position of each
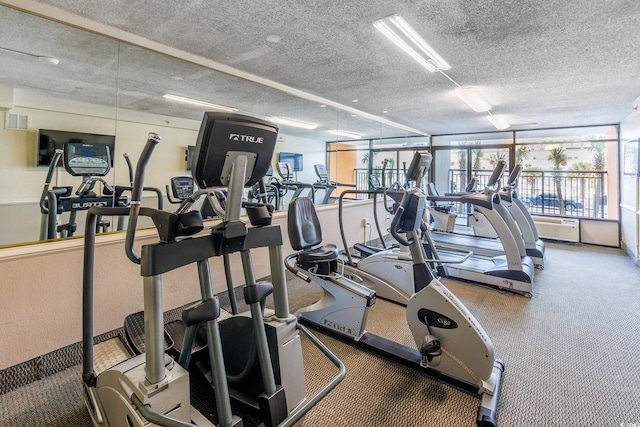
(305, 236)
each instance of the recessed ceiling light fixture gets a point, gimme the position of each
(345, 134)
(473, 99)
(292, 122)
(199, 103)
(396, 29)
(498, 121)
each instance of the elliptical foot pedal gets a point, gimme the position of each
(134, 333)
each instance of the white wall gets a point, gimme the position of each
(313, 153)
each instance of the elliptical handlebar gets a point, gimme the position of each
(52, 166)
(136, 195)
(130, 167)
(47, 181)
(395, 232)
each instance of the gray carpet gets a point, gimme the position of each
(571, 354)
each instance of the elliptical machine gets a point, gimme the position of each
(450, 343)
(151, 387)
(91, 162)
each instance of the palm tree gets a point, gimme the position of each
(499, 156)
(582, 166)
(559, 159)
(599, 152)
(522, 153)
(477, 159)
(462, 159)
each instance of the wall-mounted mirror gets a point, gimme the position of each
(57, 77)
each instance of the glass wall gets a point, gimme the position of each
(570, 172)
(567, 171)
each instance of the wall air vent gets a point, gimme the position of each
(17, 121)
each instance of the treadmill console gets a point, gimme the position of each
(322, 173)
(81, 159)
(182, 187)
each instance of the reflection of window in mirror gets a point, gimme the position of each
(631, 157)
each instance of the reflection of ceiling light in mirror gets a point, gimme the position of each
(396, 29)
(48, 60)
(345, 134)
(473, 99)
(498, 121)
(292, 122)
(44, 59)
(199, 103)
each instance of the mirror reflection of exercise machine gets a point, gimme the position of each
(272, 192)
(92, 163)
(324, 183)
(286, 174)
(182, 187)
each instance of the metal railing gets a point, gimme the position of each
(584, 193)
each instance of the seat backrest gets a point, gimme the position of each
(472, 185)
(303, 224)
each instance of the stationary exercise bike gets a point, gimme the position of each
(450, 343)
(389, 270)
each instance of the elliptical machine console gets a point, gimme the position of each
(91, 162)
(256, 359)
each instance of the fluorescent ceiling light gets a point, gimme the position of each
(473, 99)
(406, 38)
(292, 122)
(498, 121)
(345, 134)
(199, 103)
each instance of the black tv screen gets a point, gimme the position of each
(294, 159)
(50, 140)
(188, 155)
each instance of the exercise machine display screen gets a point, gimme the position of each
(321, 171)
(182, 187)
(86, 159)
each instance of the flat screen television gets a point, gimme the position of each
(188, 155)
(294, 159)
(50, 140)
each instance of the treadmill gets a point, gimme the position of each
(285, 171)
(534, 246)
(519, 221)
(324, 183)
(511, 269)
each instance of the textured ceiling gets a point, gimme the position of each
(553, 63)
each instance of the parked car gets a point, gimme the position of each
(551, 201)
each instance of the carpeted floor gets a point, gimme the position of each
(571, 354)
